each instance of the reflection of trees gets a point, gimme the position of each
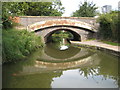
(51, 51)
(119, 71)
(96, 71)
(107, 69)
(14, 78)
(87, 71)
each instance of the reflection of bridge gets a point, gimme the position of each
(51, 57)
(41, 66)
(81, 28)
(88, 61)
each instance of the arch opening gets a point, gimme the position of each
(75, 35)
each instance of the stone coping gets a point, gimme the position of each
(58, 17)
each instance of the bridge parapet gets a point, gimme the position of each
(57, 22)
(29, 20)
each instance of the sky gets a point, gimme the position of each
(72, 5)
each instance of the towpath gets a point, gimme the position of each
(98, 44)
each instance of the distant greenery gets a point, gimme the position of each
(109, 26)
(29, 9)
(17, 44)
(91, 39)
(59, 35)
(86, 9)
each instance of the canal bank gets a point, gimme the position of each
(94, 44)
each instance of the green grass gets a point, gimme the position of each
(17, 44)
(90, 39)
(111, 43)
(107, 42)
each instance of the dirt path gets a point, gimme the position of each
(98, 44)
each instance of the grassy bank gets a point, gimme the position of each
(106, 42)
(111, 43)
(17, 44)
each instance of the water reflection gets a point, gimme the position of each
(51, 54)
(73, 64)
(63, 45)
(93, 70)
(50, 50)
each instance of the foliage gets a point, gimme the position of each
(30, 9)
(109, 26)
(33, 8)
(59, 35)
(18, 44)
(43, 9)
(86, 9)
(6, 22)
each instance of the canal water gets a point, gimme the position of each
(73, 67)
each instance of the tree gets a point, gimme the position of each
(43, 9)
(33, 8)
(57, 5)
(109, 26)
(6, 22)
(87, 9)
(30, 9)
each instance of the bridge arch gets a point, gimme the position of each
(76, 36)
(80, 30)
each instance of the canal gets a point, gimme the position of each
(73, 67)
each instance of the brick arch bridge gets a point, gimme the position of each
(81, 28)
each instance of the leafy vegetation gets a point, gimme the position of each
(18, 44)
(109, 26)
(86, 9)
(111, 43)
(30, 9)
(59, 35)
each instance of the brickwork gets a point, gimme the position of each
(15, 19)
(81, 27)
(29, 20)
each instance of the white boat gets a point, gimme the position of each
(63, 47)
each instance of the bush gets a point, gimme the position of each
(18, 44)
(108, 29)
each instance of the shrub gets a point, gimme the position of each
(18, 44)
(108, 29)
